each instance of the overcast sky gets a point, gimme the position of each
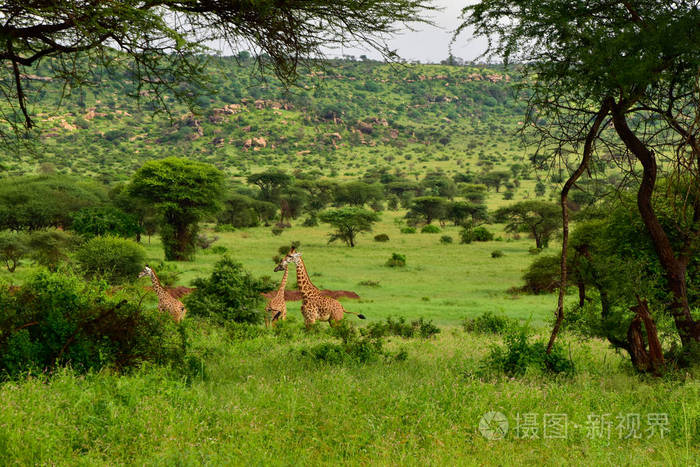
(427, 43)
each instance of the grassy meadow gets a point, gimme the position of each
(262, 401)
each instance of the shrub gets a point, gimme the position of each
(311, 221)
(219, 250)
(475, 234)
(57, 319)
(399, 327)
(446, 239)
(114, 259)
(518, 355)
(496, 254)
(542, 276)
(168, 273)
(352, 349)
(229, 294)
(224, 228)
(397, 260)
(408, 230)
(277, 231)
(534, 250)
(430, 229)
(369, 283)
(204, 242)
(381, 238)
(489, 323)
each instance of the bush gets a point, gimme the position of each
(311, 221)
(229, 294)
(399, 327)
(204, 242)
(408, 230)
(446, 239)
(277, 231)
(397, 260)
(113, 259)
(224, 228)
(489, 323)
(534, 250)
(496, 254)
(381, 238)
(57, 319)
(430, 229)
(218, 250)
(352, 349)
(543, 275)
(519, 354)
(475, 234)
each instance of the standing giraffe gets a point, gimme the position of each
(166, 302)
(277, 307)
(315, 307)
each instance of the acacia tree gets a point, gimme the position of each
(348, 222)
(632, 64)
(538, 218)
(182, 192)
(162, 40)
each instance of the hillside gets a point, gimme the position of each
(340, 121)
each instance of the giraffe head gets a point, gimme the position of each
(292, 257)
(146, 272)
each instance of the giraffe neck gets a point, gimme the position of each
(157, 287)
(303, 281)
(283, 285)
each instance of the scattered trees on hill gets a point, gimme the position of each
(162, 54)
(182, 191)
(349, 222)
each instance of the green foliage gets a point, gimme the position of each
(39, 202)
(229, 294)
(470, 234)
(352, 350)
(397, 260)
(446, 239)
(348, 222)
(400, 327)
(427, 208)
(543, 275)
(113, 259)
(540, 219)
(183, 192)
(429, 228)
(518, 355)
(408, 230)
(381, 238)
(58, 319)
(490, 323)
(50, 247)
(13, 247)
(496, 254)
(106, 220)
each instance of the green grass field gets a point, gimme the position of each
(260, 401)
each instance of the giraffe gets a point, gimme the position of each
(277, 307)
(314, 307)
(166, 302)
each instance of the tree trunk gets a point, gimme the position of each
(586, 157)
(643, 360)
(674, 269)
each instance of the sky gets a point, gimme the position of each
(429, 44)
